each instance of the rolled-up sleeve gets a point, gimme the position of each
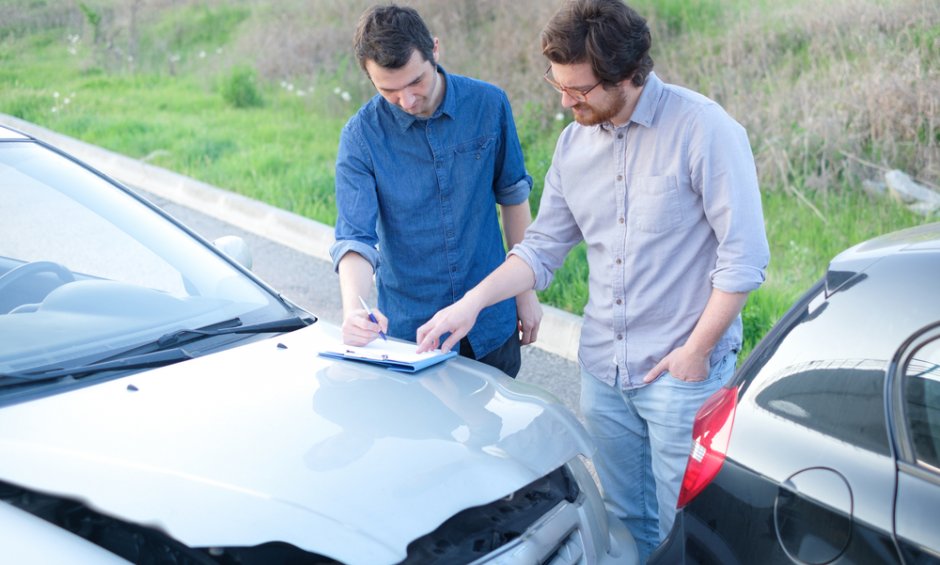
(342, 247)
(356, 201)
(515, 194)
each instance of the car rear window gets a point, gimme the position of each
(922, 403)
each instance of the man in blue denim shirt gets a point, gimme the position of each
(420, 170)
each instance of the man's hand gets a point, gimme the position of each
(512, 278)
(457, 319)
(683, 363)
(529, 312)
(359, 330)
(690, 362)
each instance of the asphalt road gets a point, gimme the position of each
(312, 284)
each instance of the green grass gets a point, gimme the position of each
(183, 123)
(181, 95)
(677, 17)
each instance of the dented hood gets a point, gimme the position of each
(270, 442)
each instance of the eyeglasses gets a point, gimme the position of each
(578, 94)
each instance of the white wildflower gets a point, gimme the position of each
(559, 117)
(345, 96)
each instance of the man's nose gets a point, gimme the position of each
(566, 100)
(408, 99)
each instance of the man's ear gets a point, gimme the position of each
(436, 50)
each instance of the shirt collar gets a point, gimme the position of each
(646, 105)
(648, 102)
(447, 106)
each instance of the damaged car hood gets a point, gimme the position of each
(270, 442)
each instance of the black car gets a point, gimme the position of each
(825, 446)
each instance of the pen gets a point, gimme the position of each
(372, 317)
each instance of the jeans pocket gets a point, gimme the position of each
(677, 382)
(721, 370)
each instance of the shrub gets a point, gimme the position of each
(240, 89)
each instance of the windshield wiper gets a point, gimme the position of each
(143, 361)
(273, 326)
(161, 355)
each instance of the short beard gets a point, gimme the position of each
(601, 115)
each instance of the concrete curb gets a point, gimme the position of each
(560, 330)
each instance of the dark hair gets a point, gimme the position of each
(389, 34)
(608, 34)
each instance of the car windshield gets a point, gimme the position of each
(87, 270)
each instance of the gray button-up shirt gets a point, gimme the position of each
(669, 207)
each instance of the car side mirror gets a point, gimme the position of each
(236, 248)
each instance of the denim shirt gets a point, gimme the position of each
(417, 199)
(669, 207)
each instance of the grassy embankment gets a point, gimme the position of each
(251, 96)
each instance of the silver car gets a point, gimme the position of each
(159, 403)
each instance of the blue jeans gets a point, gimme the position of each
(643, 439)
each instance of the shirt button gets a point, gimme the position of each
(621, 220)
(619, 301)
(619, 136)
(619, 260)
(619, 177)
(619, 337)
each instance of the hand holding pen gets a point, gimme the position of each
(360, 325)
(372, 317)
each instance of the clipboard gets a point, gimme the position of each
(393, 355)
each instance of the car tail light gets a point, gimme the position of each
(710, 434)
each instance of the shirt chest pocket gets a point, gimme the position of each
(654, 204)
(475, 158)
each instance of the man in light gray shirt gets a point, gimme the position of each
(660, 183)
